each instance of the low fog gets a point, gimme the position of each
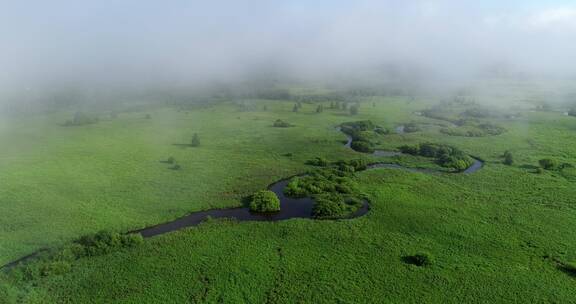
(107, 44)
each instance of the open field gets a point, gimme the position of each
(498, 235)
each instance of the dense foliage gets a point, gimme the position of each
(446, 156)
(357, 130)
(333, 189)
(265, 201)
(469, 129)
(58, 261)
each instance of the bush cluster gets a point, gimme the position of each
(59, 261)
(471, 130)
(357, 131)
(446, 156)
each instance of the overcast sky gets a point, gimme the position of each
(174, 40)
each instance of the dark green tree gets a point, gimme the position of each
(195, 140)
(319, 109)
(508, 158)
(548, 164)
(295, 108)
(265, 201)
(353, 109)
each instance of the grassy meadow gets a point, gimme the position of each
(500, 235)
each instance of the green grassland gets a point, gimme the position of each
(498, 235)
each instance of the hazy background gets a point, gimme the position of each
(143, 42)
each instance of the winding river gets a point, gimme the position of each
(289, 207)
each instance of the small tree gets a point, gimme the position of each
(508, 158)
(331, 105)
(265, 201)
(195, 140)
(354, 109)
(572, 112)
(548, 164)
(319, 109)
(295, 108)
(343, 106)
(265, 108)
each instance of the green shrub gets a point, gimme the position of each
(352, 165)
(412, 150)
(411, 128)
(548, 164)
(508, 158)
(362, 146)
(81, 119)
(195, 142)
(279, 123)
(329, 206)
(477, 113)
(569, 268)
(354, 109)
(446, 156)
(132, 240)
(105, 242)
(318, 161)
(55, 268)
(381, 130)
(490, 129)
(569, 173)
(420, 259)
(362, 125)
(334, 192)
(265, 201)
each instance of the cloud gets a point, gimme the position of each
(149, 41)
